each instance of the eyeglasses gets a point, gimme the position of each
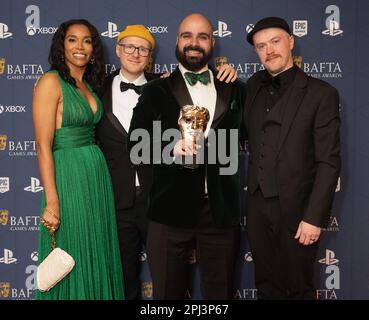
(130, 49)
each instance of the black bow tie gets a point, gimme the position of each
(269, 80)
(125, 86)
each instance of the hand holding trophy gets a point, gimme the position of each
(192, 124)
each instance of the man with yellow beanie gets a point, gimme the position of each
(131, 184)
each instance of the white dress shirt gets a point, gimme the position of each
(202, 95)
(124, 102)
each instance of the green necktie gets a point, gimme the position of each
(192, 78)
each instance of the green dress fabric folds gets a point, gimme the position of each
(88, 229)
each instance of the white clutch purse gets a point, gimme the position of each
(55, 266)
(53, 269)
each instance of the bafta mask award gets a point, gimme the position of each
(192, 124)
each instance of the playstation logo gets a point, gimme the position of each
(222, 30)
(35, 186)
(329, 258)
(8, 257)
(112, 30)
(4, 31)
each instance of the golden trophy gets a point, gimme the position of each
(192, 124)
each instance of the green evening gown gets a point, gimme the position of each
(88, 230)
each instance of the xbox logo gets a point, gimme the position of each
(142, 256)
(1, 109)
(31, 30)
(34, 256)
(249, 27)
(248, 257)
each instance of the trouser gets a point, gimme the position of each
(169, 250)
(132, 233)
(284, 269)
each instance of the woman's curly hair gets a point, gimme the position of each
(95, 73)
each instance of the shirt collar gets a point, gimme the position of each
(183, 69)
(138, 82)
(286, 77)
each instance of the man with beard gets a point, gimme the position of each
(131, 184)
(192, 208)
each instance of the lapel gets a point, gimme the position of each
(251, 95)
(292, 102)
(224, 92)
(179, 89)
(108, 105)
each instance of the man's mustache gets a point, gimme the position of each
(193, 48)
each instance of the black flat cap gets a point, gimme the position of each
(269, 22)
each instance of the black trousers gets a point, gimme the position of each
(284, 269)
(132, 233)
(169, 250)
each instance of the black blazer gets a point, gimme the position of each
(177, 194)
(112, 139)
(308, 159)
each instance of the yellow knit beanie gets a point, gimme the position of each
(137, 30)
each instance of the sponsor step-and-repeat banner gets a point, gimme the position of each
(332, 41)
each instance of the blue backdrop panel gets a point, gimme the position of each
(332, 41)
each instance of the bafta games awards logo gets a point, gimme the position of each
(300, 28)
(4, 217)
(4, 184)
(333, 225)
(297, 60)
(2, 65)
(8, 257)
(332, 23)
(4, 289)
(4, 31)
(35, 186)
(147, 289)
(27, 71)
(3, 139)
(222, 30)
(17, 148)
(319, 70)
(112, 31)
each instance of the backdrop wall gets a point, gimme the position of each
(332, 42)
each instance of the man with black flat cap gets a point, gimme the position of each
(293, 131)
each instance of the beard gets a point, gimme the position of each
(193, 63)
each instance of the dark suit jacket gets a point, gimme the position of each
(308, 158)
(177, 193)
(112, 139)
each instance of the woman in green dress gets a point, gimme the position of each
(78, 197)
